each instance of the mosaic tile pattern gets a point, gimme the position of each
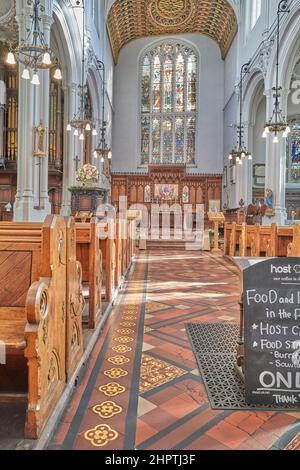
(170, 410)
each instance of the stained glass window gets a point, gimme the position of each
(293, 152)
(191, 131)
(146, 78)
(179, 140)
(180, 83)
(156, 84)
(191, 83)
(156, 138)
(145, 140)
(168, 104)
(168, 140)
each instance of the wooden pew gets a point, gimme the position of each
(108, 250)
(33, 320)
(294, 246)
(119, 253)
(74, 299)
(89, 254)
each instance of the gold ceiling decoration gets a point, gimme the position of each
(133, 19)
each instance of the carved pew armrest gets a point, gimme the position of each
(38, 301)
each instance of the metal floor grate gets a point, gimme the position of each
(214, 346)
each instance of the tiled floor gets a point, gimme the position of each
(142, 389)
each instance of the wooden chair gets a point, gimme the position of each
(33, 319)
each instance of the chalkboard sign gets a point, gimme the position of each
(272, 332)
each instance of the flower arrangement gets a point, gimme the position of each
(87, 174)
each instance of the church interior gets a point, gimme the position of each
(150, 225)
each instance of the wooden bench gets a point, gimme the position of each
(26, 231)
(33, 319)
(294, 246)
(90, 257)
(108, 249)
(257, 241)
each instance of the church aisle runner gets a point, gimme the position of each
(142, 388)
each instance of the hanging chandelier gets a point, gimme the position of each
(278, 123)
(240, 153)
(103, 150)
(81, 121)
(33, 52)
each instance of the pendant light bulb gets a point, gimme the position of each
(35, 79)
(58, 74)
(102, 159)
(69, 127)
(11, 59)
(95, 154)
(250, 157)
(109, 155)
(264, 134)
(243, 155)
(230, 157)
(46, 59)
(26, 74)
(76, 133)
(88, 127)
(95, 132)
(81, 137)
(275, 140)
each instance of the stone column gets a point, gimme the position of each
(42, 115)
(276, 165)
(72, 148)
(33, 108)
(24, 203)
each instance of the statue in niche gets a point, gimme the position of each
(40, 141)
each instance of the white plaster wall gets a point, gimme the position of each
(209, 137)
(259, 144)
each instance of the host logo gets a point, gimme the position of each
(281, 269)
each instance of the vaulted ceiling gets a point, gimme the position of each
(132, 19)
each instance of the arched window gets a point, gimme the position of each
(168, 104)
(293, 152)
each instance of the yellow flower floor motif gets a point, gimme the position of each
(125, 331)
(119, 360)
(155, 372)
(121, 348)
(123, 339)
(101, 435)
(115, 373)
(127, 324)
(112, 389)
(107, 409)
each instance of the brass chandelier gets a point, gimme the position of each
(240, 153)
(81, 122)
(33, 52)
(278, 123)
(103, 148)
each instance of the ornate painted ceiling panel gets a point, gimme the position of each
(132, 19)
